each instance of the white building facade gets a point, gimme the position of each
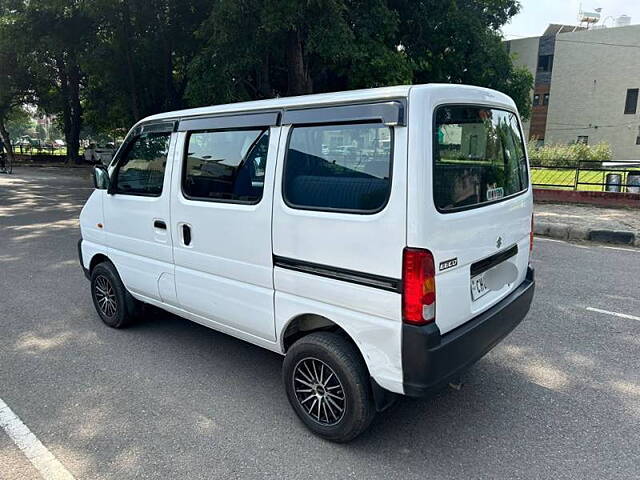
(586, 88)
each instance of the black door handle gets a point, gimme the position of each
(186, 234)
(160, 224)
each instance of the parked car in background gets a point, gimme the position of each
(100, 153)
(382, 266)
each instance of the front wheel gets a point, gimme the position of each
(327, 385)
(115, 305)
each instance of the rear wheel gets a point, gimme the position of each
(327, 385)
(115, 305)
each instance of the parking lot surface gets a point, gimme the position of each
(167, 398)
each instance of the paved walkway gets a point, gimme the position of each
(585, 222)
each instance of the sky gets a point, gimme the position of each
(535, 15)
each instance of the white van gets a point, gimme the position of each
(379, 239)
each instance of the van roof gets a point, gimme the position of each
(370, 94)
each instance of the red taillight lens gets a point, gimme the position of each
(418, 286)
(531, 237)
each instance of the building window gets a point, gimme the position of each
(631, 103)
(545, 99)
(536, 100)
(583, 139)
(545, 63)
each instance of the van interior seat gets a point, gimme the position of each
(361, 193)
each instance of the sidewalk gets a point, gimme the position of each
(584, 222)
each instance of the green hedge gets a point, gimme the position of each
(567, 155)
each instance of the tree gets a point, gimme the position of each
(15, 79)
(138, 63)
(18, 123)
(258, 48)
(59, 33)
(458, 41)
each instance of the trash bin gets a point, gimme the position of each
(633, 181)
(614, 182)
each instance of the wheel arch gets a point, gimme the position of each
(96, 259)
(304, 324)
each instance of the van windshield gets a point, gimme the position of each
(479, 157)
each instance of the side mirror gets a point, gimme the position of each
(101, 178)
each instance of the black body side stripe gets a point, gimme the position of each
(366, 279)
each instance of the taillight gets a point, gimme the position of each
(418, 286)
(531, 237)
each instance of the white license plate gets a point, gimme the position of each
(478, 287)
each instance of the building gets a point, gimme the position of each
(586, 86)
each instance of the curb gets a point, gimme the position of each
(573, 232)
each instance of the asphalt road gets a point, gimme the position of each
(559, 398)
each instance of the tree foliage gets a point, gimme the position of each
(103, 64)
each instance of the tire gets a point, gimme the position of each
(319, 370)
(120, 308)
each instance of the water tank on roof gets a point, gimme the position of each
(623, 21)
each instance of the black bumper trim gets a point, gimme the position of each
(84, 269)
(431, 360)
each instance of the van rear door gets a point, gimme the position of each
(475, 217)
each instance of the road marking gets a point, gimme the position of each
(561, 241)
(624, 249)
(555, 240)
(615, 314)
(41, 458)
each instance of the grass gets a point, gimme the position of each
(565, 178)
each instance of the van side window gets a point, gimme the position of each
(141, 170)
(338, 168)
(226, 165)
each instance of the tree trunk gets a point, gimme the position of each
(297, 66)
(263, 78)
(75, 109)
(127, 46)
(69, 73)
(4, 134)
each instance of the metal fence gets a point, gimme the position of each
(609, 176)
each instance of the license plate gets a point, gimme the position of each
(478, 287)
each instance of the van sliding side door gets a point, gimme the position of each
(221, 213)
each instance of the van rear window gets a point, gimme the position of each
(479, 157)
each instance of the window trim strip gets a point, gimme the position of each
(335, 273)
(220, 122)
(391, 113)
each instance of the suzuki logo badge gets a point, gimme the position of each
(499, 242)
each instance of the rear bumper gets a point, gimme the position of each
(430, 360)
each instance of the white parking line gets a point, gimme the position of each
(576, 245)
(554, 240)
(615, 314)
(41, 458)
(623, 249)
